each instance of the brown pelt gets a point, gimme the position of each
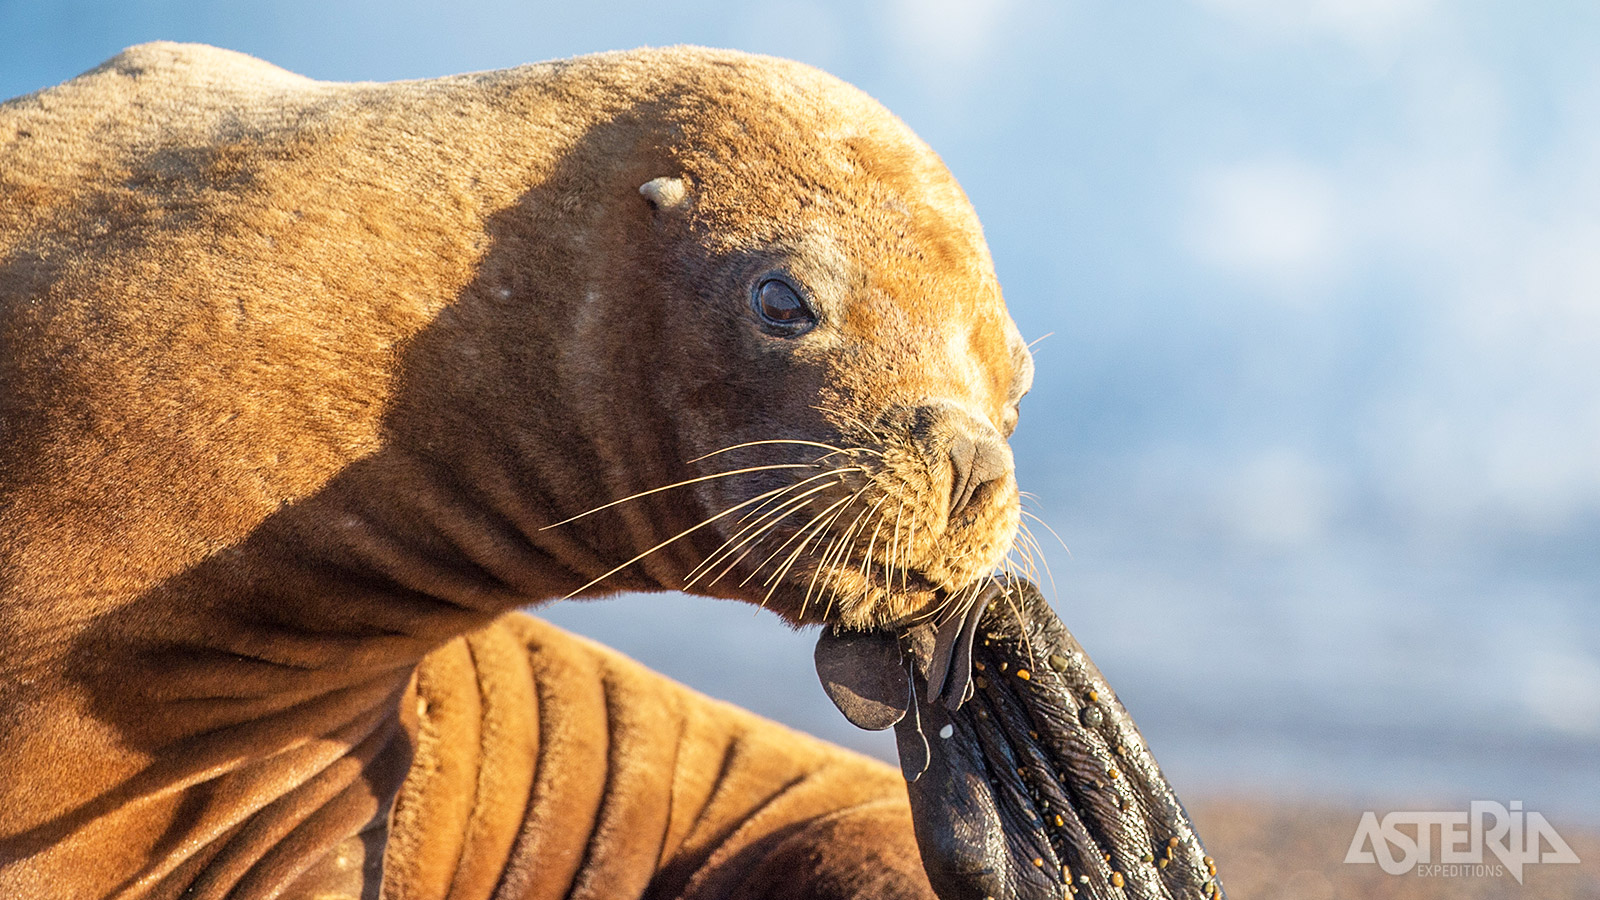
(296, 376)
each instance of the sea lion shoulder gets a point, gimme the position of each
(180, 65)
(162, 90)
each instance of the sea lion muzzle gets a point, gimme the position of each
(1028, 778)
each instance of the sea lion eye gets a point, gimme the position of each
(781, 308)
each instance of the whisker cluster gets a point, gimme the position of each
(886, 530)
(764, 513)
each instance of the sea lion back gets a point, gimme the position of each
(63, 141)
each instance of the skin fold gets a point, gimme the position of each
(1030, 780)
(548, 766)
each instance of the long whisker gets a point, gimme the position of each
(754, 541)
(960, 600)
(820, 529)
(1029, 567)
(953, 600)
(1021, 554)
(1029, 546)
(1044, 560)
(894, 550)
(824, 560)
(844, 553)
(828, 447)
(668, 487)
(751, 544)
(760, 511)
(691, 529)
(1022, 629)
(911, 535)
(866, 558)
(1049, 529)
(1009, 569)
(816, 571)
(763, 521)
(791, 539)
(751, 535)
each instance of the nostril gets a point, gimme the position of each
(962, 452)
(974, 463)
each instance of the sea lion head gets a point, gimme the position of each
(818, 311)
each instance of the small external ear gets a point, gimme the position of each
(664, 192)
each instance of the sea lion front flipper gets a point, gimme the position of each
(1042, 779)
(862, 673)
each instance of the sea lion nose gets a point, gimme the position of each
(950, 433)
(974, 462)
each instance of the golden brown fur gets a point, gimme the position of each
(697, 798)
(297, 374)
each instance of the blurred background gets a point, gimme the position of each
(1319, 412)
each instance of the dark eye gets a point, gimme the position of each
(781, 308)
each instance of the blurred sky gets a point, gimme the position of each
(1320, 413)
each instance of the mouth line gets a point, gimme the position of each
(900, 579)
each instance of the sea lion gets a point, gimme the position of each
(308, 384)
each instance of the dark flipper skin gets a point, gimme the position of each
(1038, 785)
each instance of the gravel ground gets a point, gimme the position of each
(1290, 851)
